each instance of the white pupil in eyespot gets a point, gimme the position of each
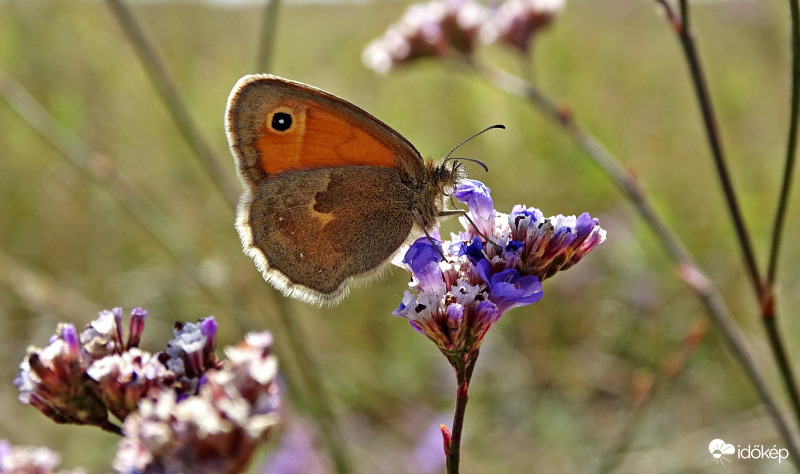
(281, 121)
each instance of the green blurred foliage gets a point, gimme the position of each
(554, 387)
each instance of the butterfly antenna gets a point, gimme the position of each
(456, 158)
(461, 158)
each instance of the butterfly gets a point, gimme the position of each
(331, 192)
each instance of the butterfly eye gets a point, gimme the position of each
(281, 121)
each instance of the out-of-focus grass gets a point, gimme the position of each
(553, 387)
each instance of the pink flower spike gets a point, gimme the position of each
(447, 438)
(136, 327)
(433, 29)
(516, 22)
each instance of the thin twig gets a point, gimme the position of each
(681, 26)
(176, 106)
(764, 291)
(687, 268)
(768, 301)
(791, 148)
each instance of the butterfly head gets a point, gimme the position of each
(448, 174)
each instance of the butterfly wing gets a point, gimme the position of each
(275, 125)
(325, 197)
(312, 232)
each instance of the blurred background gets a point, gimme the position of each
(597, 373)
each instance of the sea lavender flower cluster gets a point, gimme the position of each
(497, 263)
(437, 28)
(455, 27)
(516, 22)
(183, 409)
(216, 430)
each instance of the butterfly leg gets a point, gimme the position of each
(431, 239)
(465, 214)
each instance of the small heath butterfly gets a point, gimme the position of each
(331, 192)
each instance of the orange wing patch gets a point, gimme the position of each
(319, 138)
(281, 151)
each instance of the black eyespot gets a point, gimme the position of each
(281, 121)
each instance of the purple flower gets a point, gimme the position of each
(555, 244)
(454, 312)
(70, 337)
(514, 245)
(124, 379)
(453, 28)
(208, 326)
(479, 202)
(454, 302)
(486, 314)
(523, 220)
(423, 260)
(215, 430)
(183, 410)
(509, 290)
(104, 335)
(191, 351)
(136, 327)
(406, 305)
(53, 380)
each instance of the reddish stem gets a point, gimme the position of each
(463, 367)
